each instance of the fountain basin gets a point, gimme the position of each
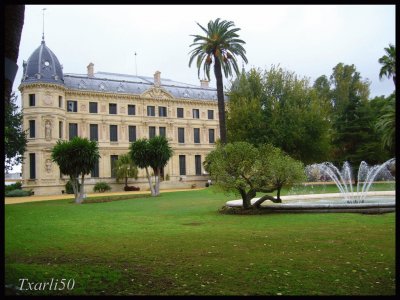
(376, 202)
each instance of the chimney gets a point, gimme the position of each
(90, 70)
(157, 78)
(204, 83)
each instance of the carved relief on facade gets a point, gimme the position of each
(47, 99)
(47, 129)
(122, 109)
(48, 165)
(103, 108)
(157, 93)
(83, 107)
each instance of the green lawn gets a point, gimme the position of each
(178, 244)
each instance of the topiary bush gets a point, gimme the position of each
(69, 189)
(101, 187)
(18, 193)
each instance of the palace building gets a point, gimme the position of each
(115, 110)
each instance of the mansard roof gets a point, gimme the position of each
(130, 84)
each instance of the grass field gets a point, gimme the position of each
(178, 244)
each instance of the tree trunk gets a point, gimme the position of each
(246, 197)
(126, 181)
(263, 198)
(157, 187)
(221, 100)
(82, 189)
(278, 194)
(150, 183)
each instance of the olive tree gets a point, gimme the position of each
(76, 158)
(245, 169)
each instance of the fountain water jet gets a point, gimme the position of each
(344, 179)
(347, 200)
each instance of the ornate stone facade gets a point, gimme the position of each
(114, 109)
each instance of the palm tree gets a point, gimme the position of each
(75, 158)
(219, 45)
(154, 153)
(386, 124)
(389, 63)
(125, 168)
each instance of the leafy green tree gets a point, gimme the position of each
(353, 136)
(245, 116)
(154, 153)
(75, 158)
(388, 62)
(346, 85)
(219, 45)
(278, 107)
(14, 136)
(125, 168)
(245, 170)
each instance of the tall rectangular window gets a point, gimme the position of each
(72, 106)
(151, 111)
(196, 135)
(60, 103)
(162, 111)
(162, 131)
(93, 107)
(196, 113)
(211, 136)
(32, 166)
(32, 100)
(181, 135)
(113, 133)
(95, 171)
(131, 109)
(112, 108)
(94, 132)
(197, 163)
(113, 158)
(210, 114)
(152, 132)
(60, 129)
(73, 130)
(182, 165)
(32, 129)
(132, 133)
(179, 112)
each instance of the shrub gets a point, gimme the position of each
(101, 187)
(207, 184)
(69, 189)
(12, 187)
(19, 193)
(131, 188)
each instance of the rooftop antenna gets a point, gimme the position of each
(135, 64)
(43, 9)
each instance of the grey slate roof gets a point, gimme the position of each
(131, 84)
(42, 66)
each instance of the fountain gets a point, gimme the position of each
(344, 179)
(349, 199)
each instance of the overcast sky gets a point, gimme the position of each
(307, 39)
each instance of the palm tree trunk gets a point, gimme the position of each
(150, 183)
(157, 187)
(221, 100)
